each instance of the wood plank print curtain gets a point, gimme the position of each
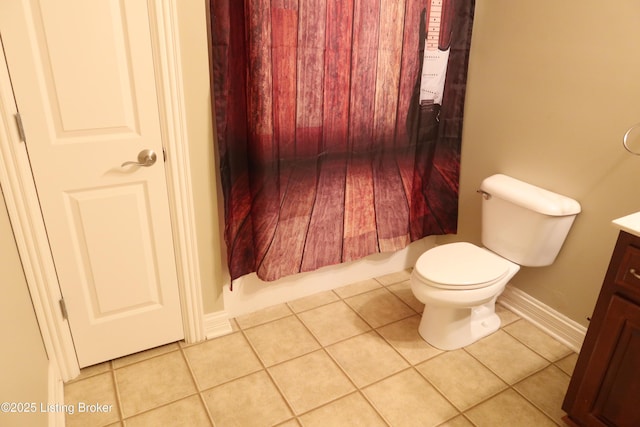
(333, 145)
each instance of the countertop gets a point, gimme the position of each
(629, 223)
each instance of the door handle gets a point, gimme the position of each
(146, 158)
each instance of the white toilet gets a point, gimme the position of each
(522, 225)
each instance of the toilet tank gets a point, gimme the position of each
(524, 223)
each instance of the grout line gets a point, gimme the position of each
(530, 347)
(289, 303)
(437, 389)
(124, 419)
(144, 359)
(511, 386)
(435, 386)
(356, 389)
(375, 408)
(191, 373)
(264, 368)
(324, 348)
(534, 405)
(326, 353)
(206, 408)
(197, 385)
(116, 389)
(128, 418)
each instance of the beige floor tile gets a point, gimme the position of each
(461, 378)
(249, 401)
(156, 387)
(95, 389)
(311, 381)
(263, 316)
(222, 359)
(407, 399)
(403, 291)
(546, 390)
(507, 409)
(357, 288)
(234, 325)
(143, 355)
(352, 410)
(313, 301)
(334, 322)
(534, 338)
(367, 358)
(290, 423)
(459, 421)
(281, 340)
(90, 371)
(154, 382)
(404, 337)
(379, 307)
(568, 363)
(390, 279)
(506, 316)
(506, 357)
(188, 412)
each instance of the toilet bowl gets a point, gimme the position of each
(458, 283)
(522, 225)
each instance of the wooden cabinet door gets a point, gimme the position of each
(610, 391)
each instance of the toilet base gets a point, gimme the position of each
(449, 328)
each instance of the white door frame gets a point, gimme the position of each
(28, 225)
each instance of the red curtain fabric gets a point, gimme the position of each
(329, 150)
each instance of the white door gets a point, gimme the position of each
(83, 77)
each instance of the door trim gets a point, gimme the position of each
(24, 210)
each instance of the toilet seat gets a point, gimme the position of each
(460, 266)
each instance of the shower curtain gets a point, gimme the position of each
(339, 126)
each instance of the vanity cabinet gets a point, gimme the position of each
(605, 386)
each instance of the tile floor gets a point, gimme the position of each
(348, 357)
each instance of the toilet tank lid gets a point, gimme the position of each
(529, 196)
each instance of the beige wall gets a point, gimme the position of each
(552, 88)
(195, 67)
(23, 360)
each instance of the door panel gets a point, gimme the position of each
(99, 242)
(84, 82)
(104, 53)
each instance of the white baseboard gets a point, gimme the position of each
(216, 324)
(55, 394)
(251, 294)
(549, 320)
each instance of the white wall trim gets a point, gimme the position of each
(217, 324)
(55, 395)
(30, 234)
(251, 294)
(24, 210)
(164, 25)
(546, 318)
